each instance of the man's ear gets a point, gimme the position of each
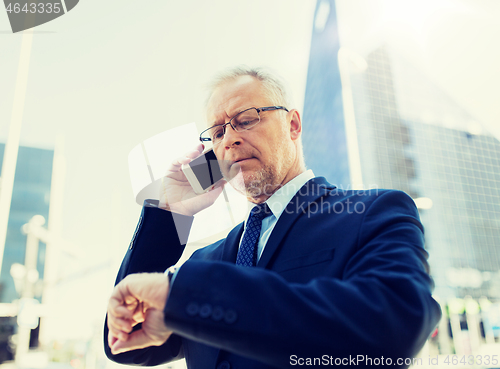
(295, 124)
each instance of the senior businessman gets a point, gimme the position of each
(314, 275)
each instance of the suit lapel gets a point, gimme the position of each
(309, 193)
(231, 243)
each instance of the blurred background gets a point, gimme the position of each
(393, 93)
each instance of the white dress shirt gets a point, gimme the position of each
(277, 204)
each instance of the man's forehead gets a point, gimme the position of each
(232, 97)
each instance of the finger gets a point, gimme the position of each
(111, 340)
(119, 311)
(131, 301)
(119, 325)
(118, 334)
(221, 183)
(199, 148)
(135, 341)
(186, 158)
(123, 325)
(195, 153)
(176, 165)
(138, 316)
(115, 300)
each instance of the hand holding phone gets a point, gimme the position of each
(178, 195)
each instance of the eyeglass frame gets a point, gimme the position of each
(265, 108)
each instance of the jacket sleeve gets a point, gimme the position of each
(380, 307)
(158, 242)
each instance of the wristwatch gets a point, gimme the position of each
(170, 272)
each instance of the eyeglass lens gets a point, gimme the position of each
(241, 122)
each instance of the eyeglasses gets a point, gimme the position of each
(242, 121)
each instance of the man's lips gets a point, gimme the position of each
(238, 163)
(242, 160)
(230, 164)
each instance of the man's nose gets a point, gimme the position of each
(231, 137)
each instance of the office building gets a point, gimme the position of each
(30, 196)
(409, 135)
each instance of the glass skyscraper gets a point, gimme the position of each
(415, 138)
(323, 116)
(30, 196)
(410, 136)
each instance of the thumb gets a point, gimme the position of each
(152, 333)
(136, 340)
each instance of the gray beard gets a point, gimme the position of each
(258, 184)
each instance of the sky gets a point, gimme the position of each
(450, 41)
(109, 75)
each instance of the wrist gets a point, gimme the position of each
(163, 288)
(163, 205)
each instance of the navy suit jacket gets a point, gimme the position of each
(343, 277)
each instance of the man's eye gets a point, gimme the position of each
(218, 133)
(247, 122)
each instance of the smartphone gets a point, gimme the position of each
(203, 173)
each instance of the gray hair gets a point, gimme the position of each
(275, 87)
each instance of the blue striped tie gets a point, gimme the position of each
(247, 254)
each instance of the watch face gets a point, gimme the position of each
(170, 272)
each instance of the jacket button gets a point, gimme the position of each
(224, 365)
(192, 309)
(205, 310)
(218, 313)
(230, 316)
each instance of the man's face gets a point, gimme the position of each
(257, 161)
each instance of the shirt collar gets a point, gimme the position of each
(280, 199)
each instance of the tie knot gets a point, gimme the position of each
(260, 211)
